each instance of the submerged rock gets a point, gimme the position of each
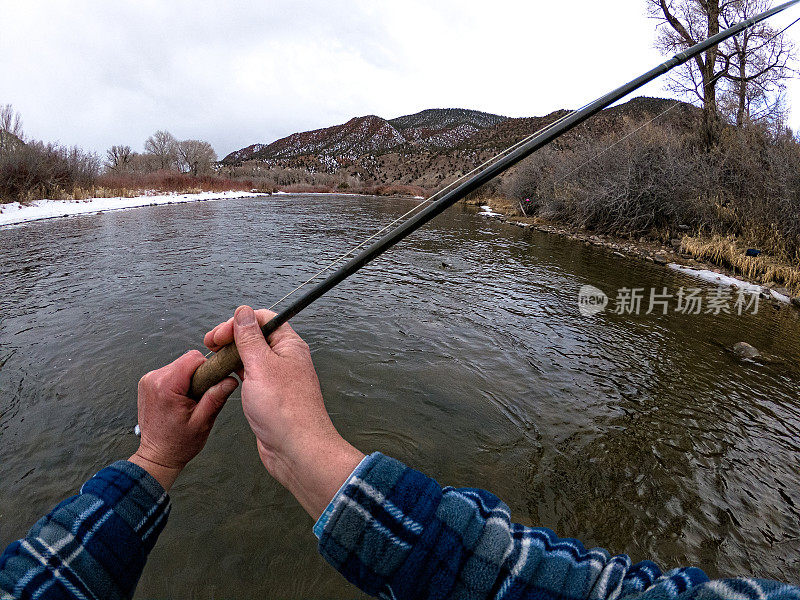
(745, 350)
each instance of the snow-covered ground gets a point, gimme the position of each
(14, 212)
(727, 281)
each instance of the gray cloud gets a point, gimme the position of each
(101, 73)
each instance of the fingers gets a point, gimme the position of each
(213, 400)
(222, 334)
(177, 375)
(208, 340)
(253, 348)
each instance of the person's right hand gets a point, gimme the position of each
(281, 397)
(282, 401)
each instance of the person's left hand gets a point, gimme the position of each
(173, 427)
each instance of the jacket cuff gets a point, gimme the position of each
(94, 544)
(135, 496)
(319, 526)
(376, 520)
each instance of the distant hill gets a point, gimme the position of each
(433, 146)
(433, 128)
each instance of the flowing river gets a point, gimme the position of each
(460, 352)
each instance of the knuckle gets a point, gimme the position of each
(146, 381)
(157, 380)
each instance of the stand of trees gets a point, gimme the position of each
(740, 81)
(733, 171)
(31, 169)
(163, 152)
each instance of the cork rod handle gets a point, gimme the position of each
(224, 362)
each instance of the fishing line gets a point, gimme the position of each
(408, 213)
(440, 192)
(494, 158)
(784, 30)
(227, 360)
(661, 114)
(619, 141)
(485, 164)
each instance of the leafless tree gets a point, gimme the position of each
(10, 127)
(750, 67)
(196, 157)
(118, 158)
(164, 147)
(143, 163)
(760, 59)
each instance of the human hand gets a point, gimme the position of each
(282, 401)
(173, 427)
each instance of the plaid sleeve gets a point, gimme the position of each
(395, 533)
(93, 545)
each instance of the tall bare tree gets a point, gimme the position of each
(754, 60)
(196, 156)
(163, 146)
(760, 59)
(10, 127)
(118, 158)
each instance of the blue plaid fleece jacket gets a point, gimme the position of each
(390, 530)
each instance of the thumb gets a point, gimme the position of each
(253, 347)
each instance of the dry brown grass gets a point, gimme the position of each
(730, 253)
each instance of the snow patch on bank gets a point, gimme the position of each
(486, 211)
(15, 213)
(727, 281)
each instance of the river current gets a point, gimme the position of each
(461, 352)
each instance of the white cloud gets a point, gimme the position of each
(99, 73)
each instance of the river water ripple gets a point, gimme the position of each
(460, 352)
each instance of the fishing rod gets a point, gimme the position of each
(227, 360)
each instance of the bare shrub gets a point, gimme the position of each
(660, 178)
(10, 128)
(39, 170)
(396, 190)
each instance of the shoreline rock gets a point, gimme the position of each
(745, 350)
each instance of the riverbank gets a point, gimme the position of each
(14, 213)
(677, 254)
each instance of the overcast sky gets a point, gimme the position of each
(97, 73)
